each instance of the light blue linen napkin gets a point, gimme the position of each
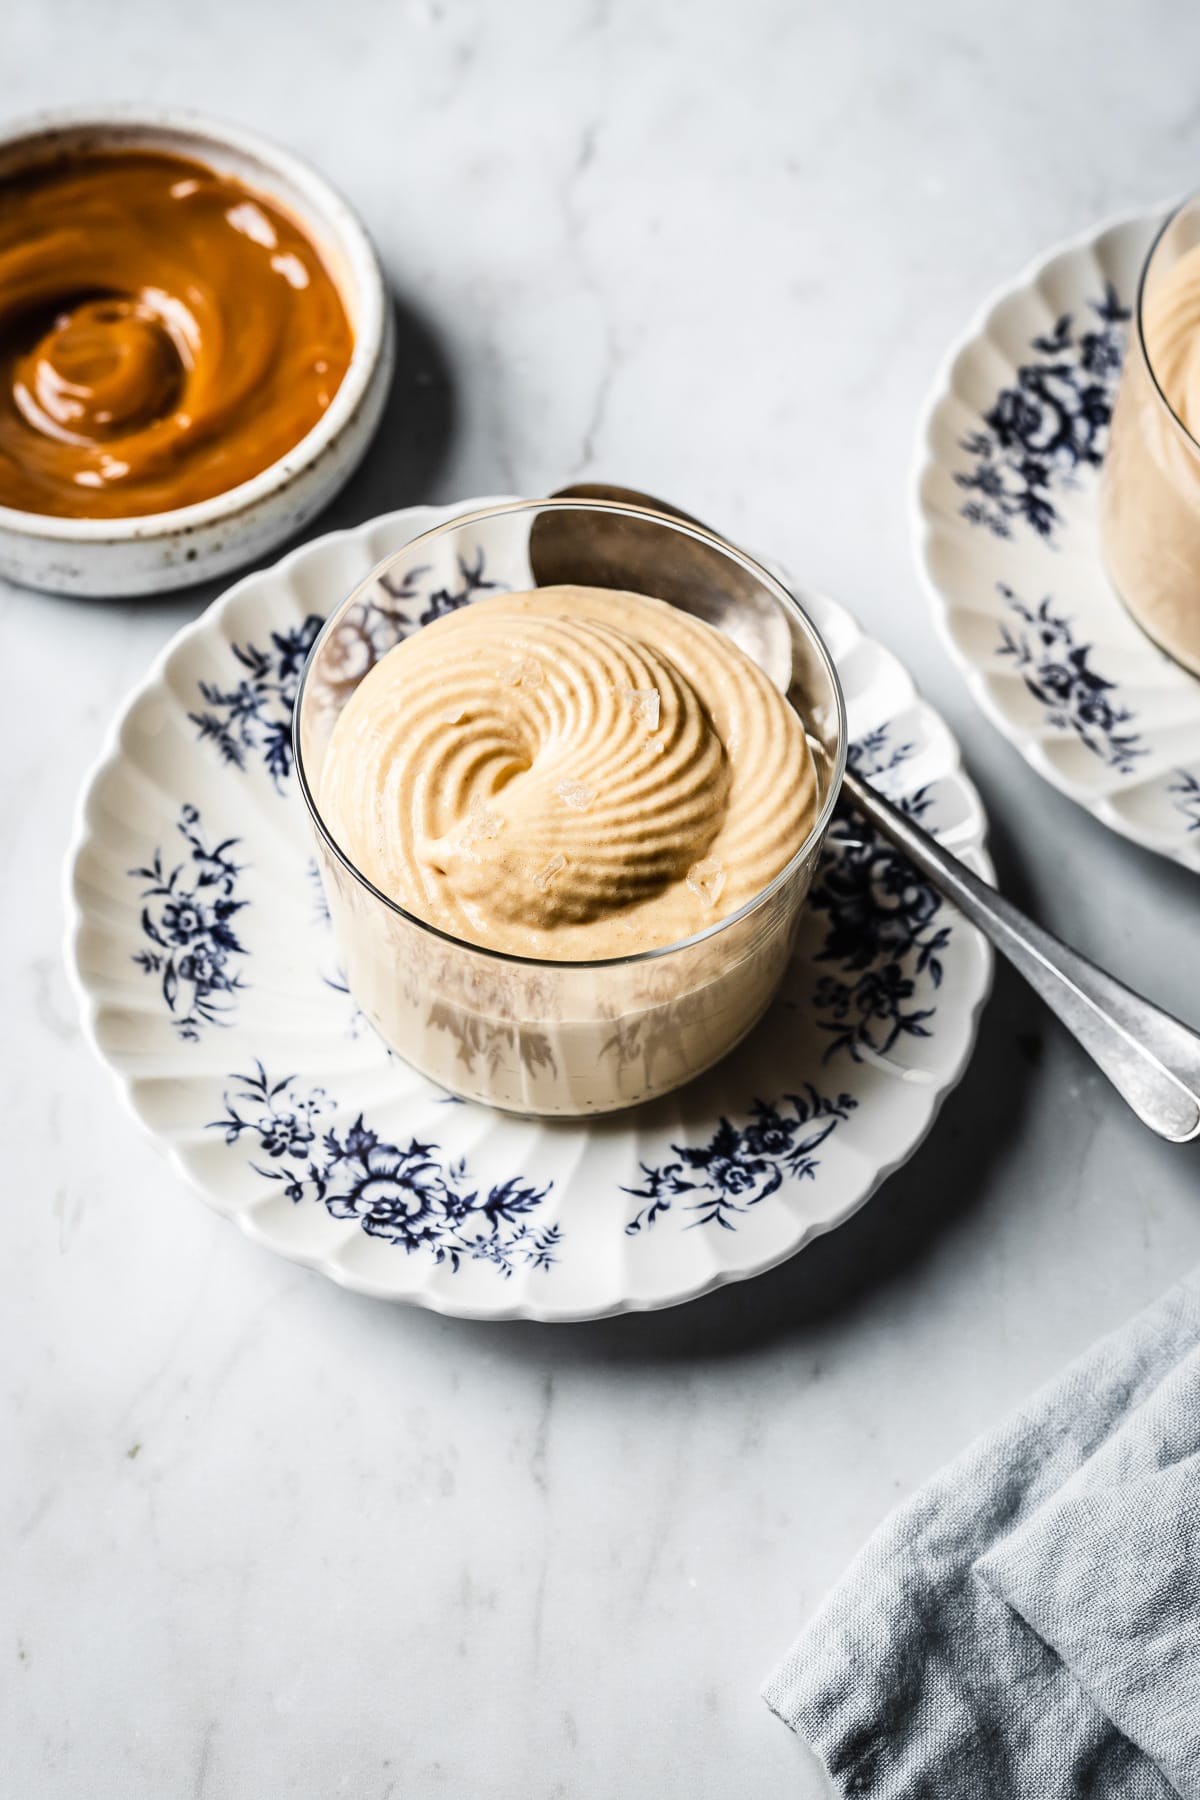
(1028, 1625)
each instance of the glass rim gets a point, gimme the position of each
(1173, 214)
(701, 535)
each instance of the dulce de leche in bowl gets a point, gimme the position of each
(165, 334)
(195, 349)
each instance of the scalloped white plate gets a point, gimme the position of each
(210, 986)
(1008, 457)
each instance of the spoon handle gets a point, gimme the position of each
(1151, 1059)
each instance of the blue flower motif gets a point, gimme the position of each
(1057, 672)
(191, 939)
(287, 1134)
(904, 898)
(769, 1136)
(1100, 353)
(1185, 793)
(253, 713)
(731, 1175)
(181, 921)
(204, 966)
(393, 1193)
(1048, 426)
(884, 932)
(740, 1166)
(407, 1195)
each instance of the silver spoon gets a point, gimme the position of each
(1152, 1059)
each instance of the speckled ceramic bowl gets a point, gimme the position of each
(164, 550)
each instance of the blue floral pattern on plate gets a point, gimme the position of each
(740, 1166)
(1048, 425)
(187, 919)
(406, 1194)
(1041, 431)
(886, 932)
(252, 713)
(1058, 673)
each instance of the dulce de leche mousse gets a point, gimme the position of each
(165, 334)
(1150, 499)
(568, 774)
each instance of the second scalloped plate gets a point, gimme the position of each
(1008, 461)
(209, 983)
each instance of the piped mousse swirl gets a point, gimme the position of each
(571, 774)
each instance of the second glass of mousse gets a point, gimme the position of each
(1150, 492)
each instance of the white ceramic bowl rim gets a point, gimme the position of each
(367, 310)
(686, 529)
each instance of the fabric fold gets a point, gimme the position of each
(1108, 1575)
(953, 1659)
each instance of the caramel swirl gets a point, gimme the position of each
(572, 773)
(164, 335)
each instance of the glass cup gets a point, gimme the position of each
(531, 1035)
(1150, 489)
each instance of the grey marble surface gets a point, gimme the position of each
(266, 1539)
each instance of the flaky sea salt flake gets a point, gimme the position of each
(526, 673)
(450, 715)
(576, 793)
(481, 820)
(644, 703)
(706, 879)
(545, 876)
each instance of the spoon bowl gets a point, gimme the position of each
(614, 550)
